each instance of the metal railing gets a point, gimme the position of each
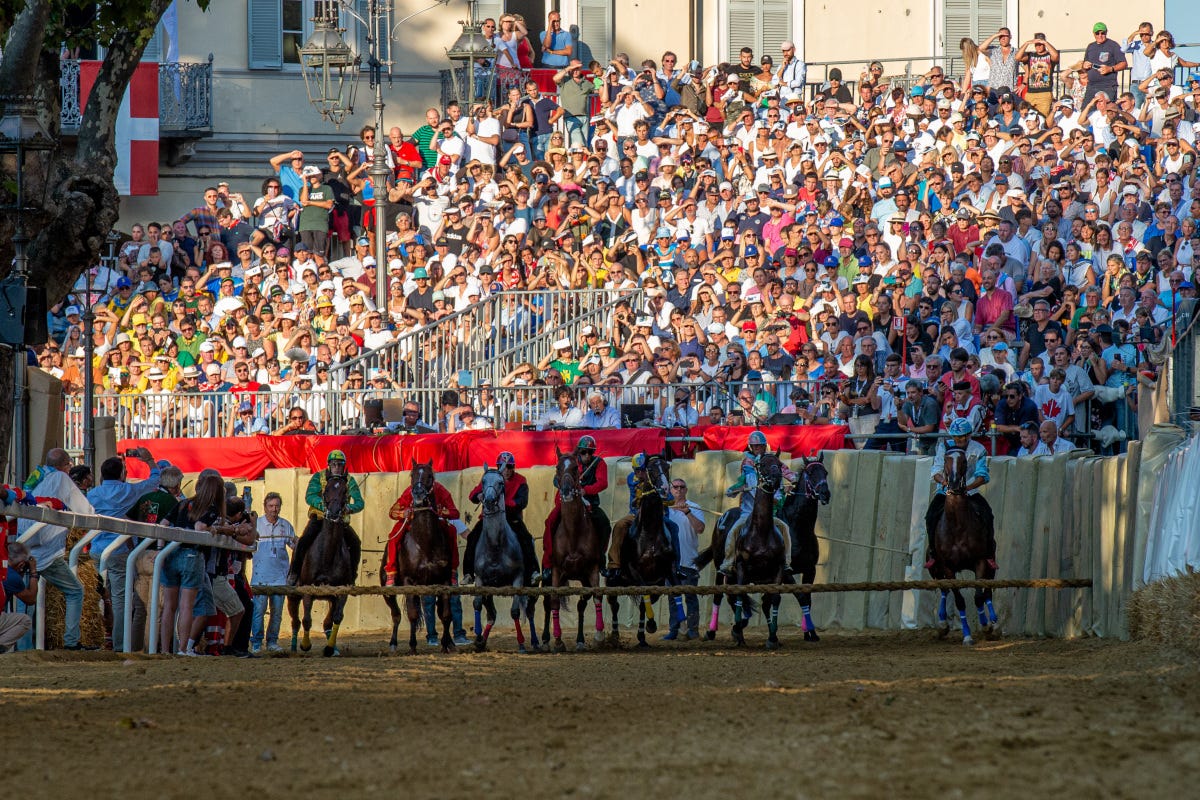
(900, 71)
(185, 96)
(1185, 367)
(490, 337)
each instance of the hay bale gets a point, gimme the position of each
(1168, 612)
(91, 623)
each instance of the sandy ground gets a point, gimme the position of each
(862, 715)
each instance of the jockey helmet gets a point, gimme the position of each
(335, 455)
(639, 461)
(506, 459)
(961, 427)
(757, 437)
(586, 443)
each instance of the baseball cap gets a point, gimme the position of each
(1099, 27)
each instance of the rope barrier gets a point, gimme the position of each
(669, 591)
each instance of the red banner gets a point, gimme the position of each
(248, 457)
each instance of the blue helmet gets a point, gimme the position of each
(639, 461)
(961, 427)
(757, 437)
(506, 459)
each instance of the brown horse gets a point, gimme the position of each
(328, 562)
(577, 551)
(424, 559)
(960, 544)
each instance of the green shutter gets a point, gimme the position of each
(776, 28)
(264, 26)
(742, 29)
(595, 29)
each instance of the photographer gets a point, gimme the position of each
(883, 396)
(21, 582)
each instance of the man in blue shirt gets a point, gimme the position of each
(114, 497)
(557, 46)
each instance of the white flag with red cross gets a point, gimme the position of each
(137, 127)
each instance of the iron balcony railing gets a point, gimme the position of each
(185, 97)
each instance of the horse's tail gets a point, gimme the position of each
(748, 605)
(704, 557)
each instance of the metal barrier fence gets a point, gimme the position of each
(173, 415)
(185, 96)
(492, 336)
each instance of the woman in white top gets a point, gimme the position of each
(644, 219)
(977, 68)
(1161, 52)
(507, 40)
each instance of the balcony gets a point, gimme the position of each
(185, 99)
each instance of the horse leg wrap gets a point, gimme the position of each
(487, 631)
(942, 608)
(520, 633)
(991, 611)
(966, 628)
(808, 623)
(716, 612)
(983, 620)
(649, 606)
(737, 611)
(331, 640)
(557, 625)
(599, 614)
(478, 621)
(773, 620)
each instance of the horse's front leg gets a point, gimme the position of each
(614, 611)
(555, 606)
(598, 604)
(580, 607)
(943, 623)
(306, 622)
(443, 607)
(490, 604)
(337, 612)
(293, 604)
(741, 612)
(805, 600)
(648, 612)
(961, 604)
(716, 609)
(772, 601)
(412, 606)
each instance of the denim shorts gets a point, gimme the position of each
(184, 569)
(205, 605)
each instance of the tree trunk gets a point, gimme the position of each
(76, 203)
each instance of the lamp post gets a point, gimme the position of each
(331, 73)
(21, 132)
(471, 46)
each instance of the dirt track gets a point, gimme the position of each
(864, 715)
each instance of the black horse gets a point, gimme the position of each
(759, 555)
(961, 544)
(648, 556)
(327, 562)
(800, 514)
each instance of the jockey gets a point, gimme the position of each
(621, 527)
(516, 499)
(747, 482)
(335, 465)
(593, 479)
(443, 506)
(961, 431)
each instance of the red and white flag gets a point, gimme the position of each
(137, 128)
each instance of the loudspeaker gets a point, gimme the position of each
(36, 330)
(12, 311)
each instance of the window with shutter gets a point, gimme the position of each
(761, 25)
(264, 23)
(990, 16)
(595, 30)
(362, 32)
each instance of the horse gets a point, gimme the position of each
(648, 557)
(424, 559)
(577, 552)
(800, 514)
(759, 557)
(499, 562)
(326, 563)
(960, 543)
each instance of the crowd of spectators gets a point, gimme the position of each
(1009, 244)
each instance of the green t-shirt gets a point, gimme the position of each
(315, 218)
(570, 370)
(573, 97)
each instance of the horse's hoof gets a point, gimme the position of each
(968, 641)
(643, 644)
(329, 652)
(710, 635)
(651, 626)
(811, 636)
(599, 637)
(306, 646)
(993, 632)
(614, 640)
(559, 647)
(412, 651)
(943, 632)
(580, 647)
(480, 644)
(522, 649)
(739, 642)
(392, 647)
(772, 645)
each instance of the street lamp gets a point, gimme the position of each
(470, 47)
(326, 58)
(21, 132)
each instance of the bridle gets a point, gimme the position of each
(493, 493)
